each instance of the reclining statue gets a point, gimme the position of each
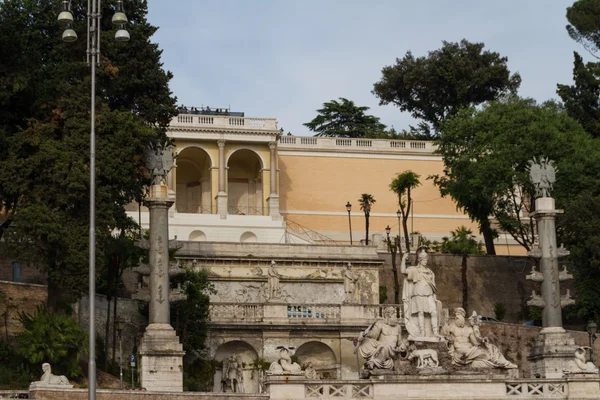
(49, 379)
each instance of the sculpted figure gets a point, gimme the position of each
(49, 379)
(310, 372)
(426, 358)
(380, 342)
(159, 161)
(468, 348)
(273, 281)
(285, 364)
(419, 297)
(542, 175)
(579, 364)
(233, 374)
(350, 281)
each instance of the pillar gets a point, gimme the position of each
(273, 200)
(222, 195)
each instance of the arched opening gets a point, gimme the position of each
(248, 237)
(246, 355)
(197, 236)
(321, 356)
(244, 186)
(193, 186)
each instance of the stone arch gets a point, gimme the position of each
(197, 236)
(247, 354)
(263, 163)
(321, 355)
(193, 180)
(248, 237)
(244, 182)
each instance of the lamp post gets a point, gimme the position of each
(349, 208)
(94, 13)
(592, 328)
(399, 215)
(119, 325)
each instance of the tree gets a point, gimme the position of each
(456, 76)
(345, 119)
(584, 26)
(462, 243)
(366, 201)
(44, 134)
(486, 154)
(581, 99)
(402, 185)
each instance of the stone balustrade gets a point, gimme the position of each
(223, 121)
(359, 314)
(331, 143)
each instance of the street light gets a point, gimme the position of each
(94, 13)
(592, 328)
(399, 215)
(349, 208)
(119, 325)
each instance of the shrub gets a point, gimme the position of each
(500, 311)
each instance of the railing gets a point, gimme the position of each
(305, 234)
(223, 121)
(242, 210)
(193, 208)
(236, 312)
(419, 146)
(314, 311)
(339, 390)
(376, 311)
(539, 390)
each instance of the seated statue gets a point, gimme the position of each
(579, 364)
(381, 341)
(285, 365)
(49, 379)
(468, 348)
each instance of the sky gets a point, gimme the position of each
(283, 59)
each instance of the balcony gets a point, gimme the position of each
(223, 122)
(349, 144)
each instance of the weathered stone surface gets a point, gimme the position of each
(82, 394)
(161, 363)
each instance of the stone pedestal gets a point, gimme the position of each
(221, 203)
(161, 359)
(551, 353)
(273, 203)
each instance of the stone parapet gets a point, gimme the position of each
(103, 394)
(161, 361)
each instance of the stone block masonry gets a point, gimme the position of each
(20, 297)
(81, 394)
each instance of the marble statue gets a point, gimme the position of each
(310, 372)
(159, 161)
(426, 358)
(232, 371)
(420, 304)
(543, 176)
(579, 364)
(381, 341)
(468, 348)
(50, 380)
(350, 285)
(285, 366)
(274, 290)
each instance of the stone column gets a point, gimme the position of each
(160, 350)
(273, 200)
(554, 347)
(222, 195)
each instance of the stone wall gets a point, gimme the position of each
(20, 297)
(82, 394)
(491, 279)
(29, 273)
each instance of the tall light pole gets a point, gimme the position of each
(349, 208)
(591, 330)
(120, 324)
(94, 13)
(399, 215)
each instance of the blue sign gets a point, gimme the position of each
(132, 358)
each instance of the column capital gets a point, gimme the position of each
(272, 145)
(221, 143)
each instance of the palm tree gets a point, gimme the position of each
(462, 243)
(402, 186)
(366, 201)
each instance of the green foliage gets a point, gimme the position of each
(581, 99)
(383, 296)
(499, 311)
(260, 364)
(53, 338)
(45, 133)
(486, 154)
(402, 185)
(579, 232)
(456, 76)
(462, 242)
(345, 119)
(198, 375)
(189, 317)
(535, 313)
(584, 25)
(14, 372)
(366, 201)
